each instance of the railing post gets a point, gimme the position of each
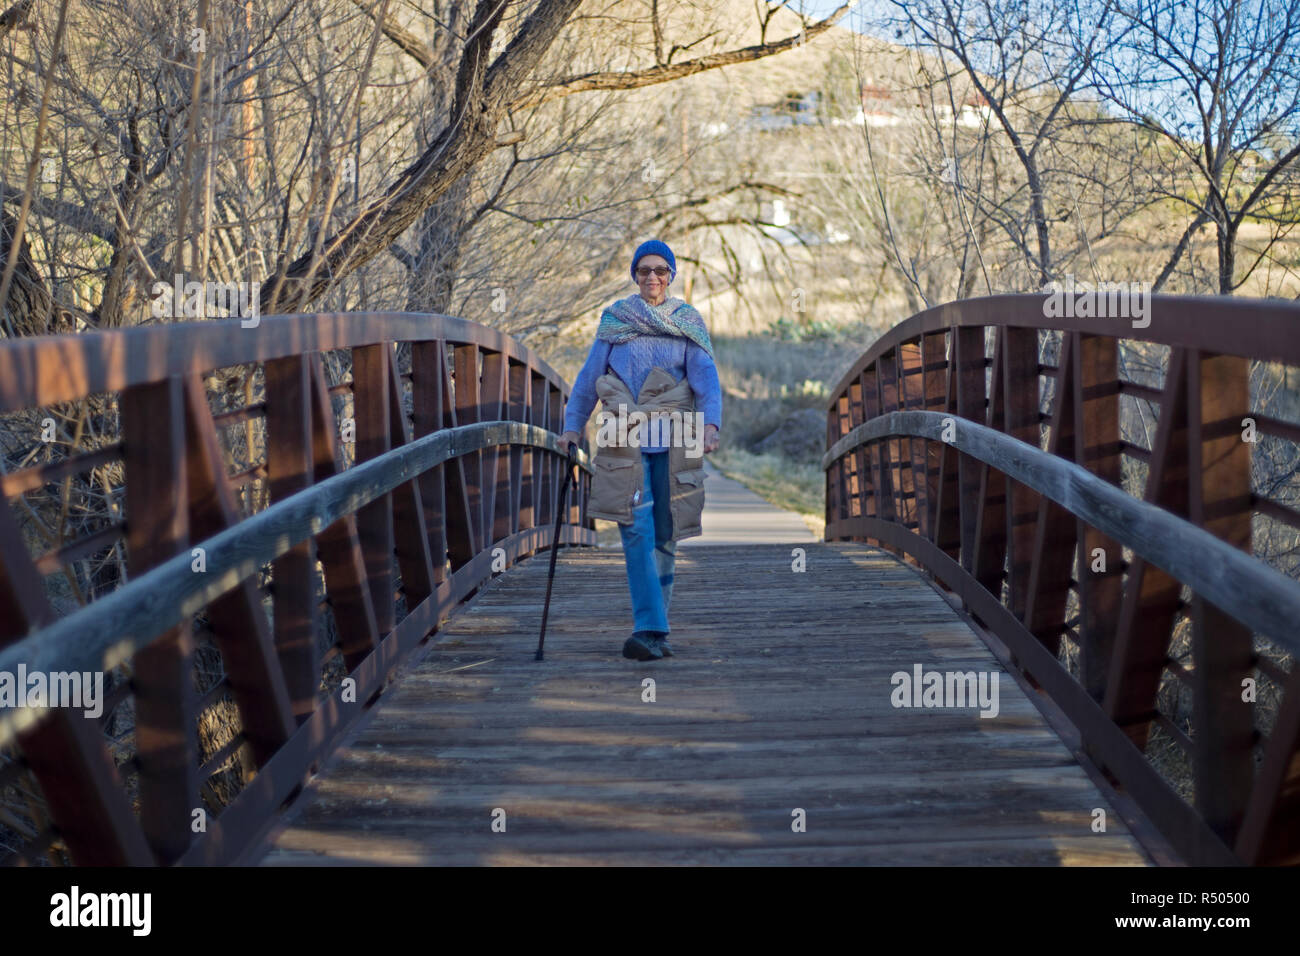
(843, 473)
(555, 423)
(289, 470)
(1055, 531)
(339, 545)
(467, 413)
(1219, 500)
(410, 542)
(153, 453)
(1021, 386)
(428, 391)
(887, 401)
(496, 402)
(968, 368)
(934, 393)
(991, 525)
(912, 395)
(519, 372)
(373, 438)
(528, 471)
(906, 359)
(1152, 597)
(857, 481)
(1097, 448)
(542, 504)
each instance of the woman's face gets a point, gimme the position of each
(654, 288)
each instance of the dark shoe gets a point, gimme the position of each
(642, 646)
(661, 642)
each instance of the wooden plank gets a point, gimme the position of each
(735, 738)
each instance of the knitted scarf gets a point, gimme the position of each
(627, 318)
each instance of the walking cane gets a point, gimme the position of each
(555, 545)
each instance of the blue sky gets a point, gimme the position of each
(820, 8)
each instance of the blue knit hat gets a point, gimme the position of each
(653, 247)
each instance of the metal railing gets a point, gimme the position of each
(1004, 477)
(302, 550)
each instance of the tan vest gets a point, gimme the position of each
(617, 479)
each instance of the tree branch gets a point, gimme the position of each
(636, 79)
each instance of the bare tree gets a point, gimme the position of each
(1218, 83)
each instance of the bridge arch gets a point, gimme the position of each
(983, 442)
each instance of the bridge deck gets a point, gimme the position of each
(779, 698)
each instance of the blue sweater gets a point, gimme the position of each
(632, 362)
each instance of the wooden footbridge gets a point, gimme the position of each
(308, 560)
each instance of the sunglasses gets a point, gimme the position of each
(644, 271)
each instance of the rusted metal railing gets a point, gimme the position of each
(302, 549)
(985, 443)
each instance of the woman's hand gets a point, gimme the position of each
(567, 439)
(710, 438)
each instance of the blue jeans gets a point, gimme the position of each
(649, 549)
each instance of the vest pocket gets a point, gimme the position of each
(688, 495)
(612, 484)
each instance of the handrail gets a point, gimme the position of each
(108, 632)
(45, 369)
(1259, 596)
(1263, 329)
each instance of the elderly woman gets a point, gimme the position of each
(651, 356)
